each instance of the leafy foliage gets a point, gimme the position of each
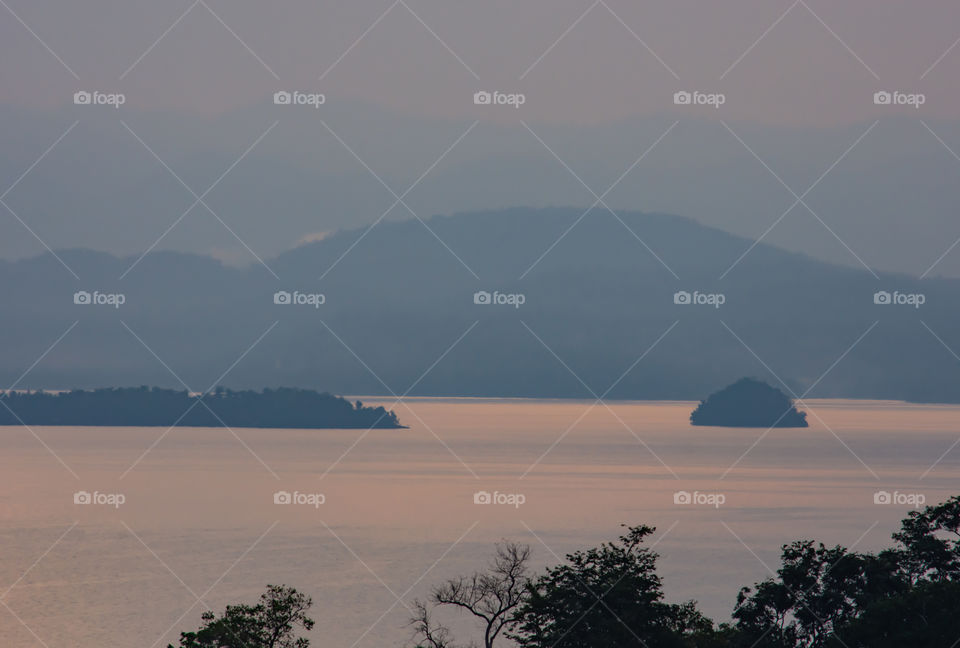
(273, 622)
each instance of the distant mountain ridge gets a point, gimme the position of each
(598, 294)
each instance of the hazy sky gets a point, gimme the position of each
(816, 62)
(598, 79)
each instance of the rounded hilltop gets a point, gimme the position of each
(748, 403)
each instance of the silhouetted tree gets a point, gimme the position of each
(491, 596)
(923, 617)
(274, 622)
(930, 543)
(817, 589)
(606, 597)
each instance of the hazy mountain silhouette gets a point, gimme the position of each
(748, 403)
(396, 299)
(111, 194)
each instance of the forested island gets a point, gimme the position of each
(152, 406)
(748, 403)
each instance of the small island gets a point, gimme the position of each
(152, 406)
(748, 403)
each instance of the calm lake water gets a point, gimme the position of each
(198, 518)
